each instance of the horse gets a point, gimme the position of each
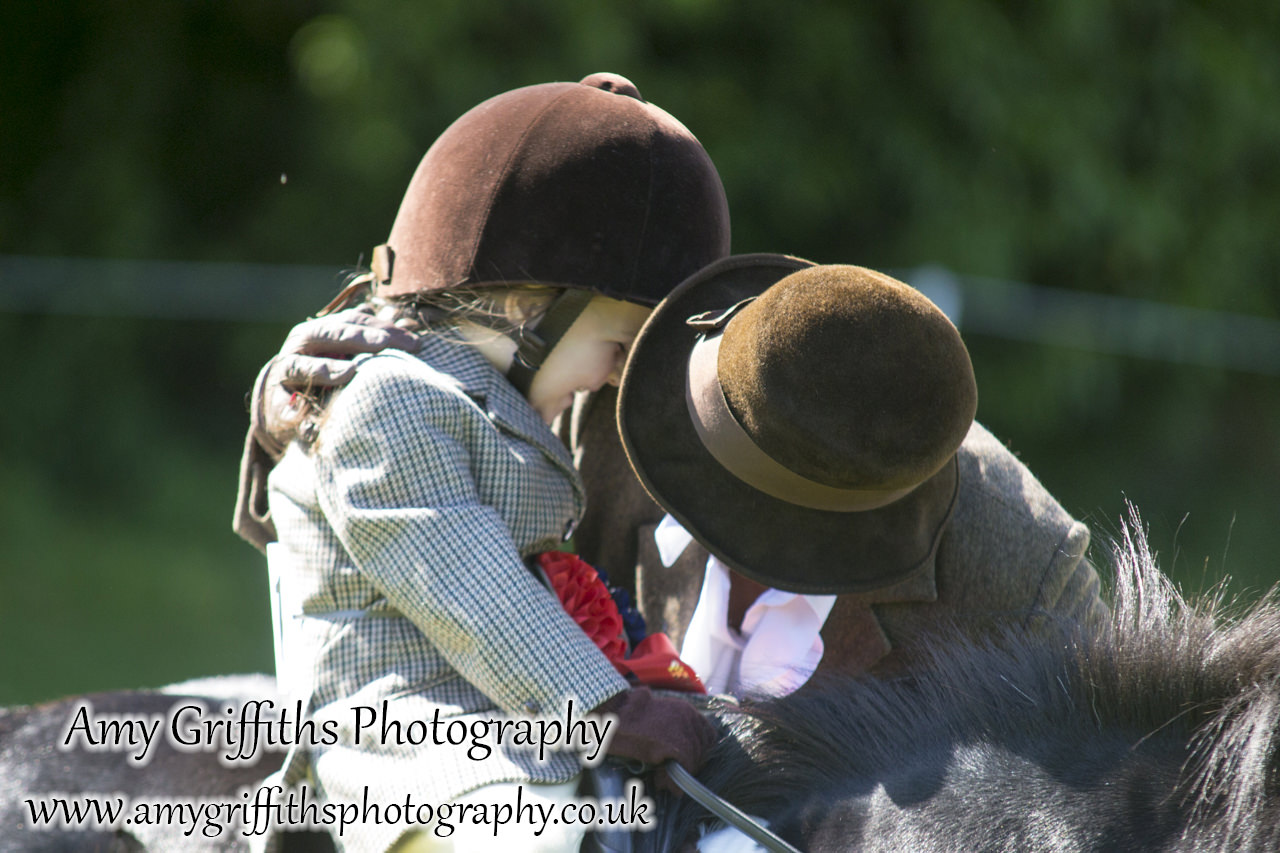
(1156, 732)
(1160, 732)
(37, 763)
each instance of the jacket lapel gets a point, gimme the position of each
(501, 402)
(854, 639)
(667, 595)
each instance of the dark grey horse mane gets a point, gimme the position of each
(1158, 732)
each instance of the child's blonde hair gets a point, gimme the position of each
(506, 309)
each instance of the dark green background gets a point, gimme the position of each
(1125, 149)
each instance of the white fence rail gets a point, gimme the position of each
(1005, 309)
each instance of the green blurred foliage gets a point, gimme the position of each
(1115, 148)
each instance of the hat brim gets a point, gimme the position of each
(766, 539)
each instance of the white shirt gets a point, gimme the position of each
(778, 647)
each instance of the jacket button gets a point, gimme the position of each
(532, 707)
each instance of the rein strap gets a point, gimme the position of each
(727, 811)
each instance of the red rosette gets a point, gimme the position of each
(654, 662)
(585, 598)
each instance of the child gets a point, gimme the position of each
(531, 242)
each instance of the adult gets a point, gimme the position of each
(811, 429)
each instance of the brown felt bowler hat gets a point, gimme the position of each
(801, 421)
(581, 185)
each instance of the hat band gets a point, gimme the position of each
(726, 440)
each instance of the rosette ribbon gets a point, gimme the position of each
(653, 661)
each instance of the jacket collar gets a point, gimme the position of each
(855, 639)
(920, 586)
(446, 350)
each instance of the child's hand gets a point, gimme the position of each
(653, 729)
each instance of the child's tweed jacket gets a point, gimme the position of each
(401, 538)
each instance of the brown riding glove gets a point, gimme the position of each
(316, 354)
(653, 728)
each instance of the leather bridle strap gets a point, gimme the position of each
(533, 346)
(726, 811)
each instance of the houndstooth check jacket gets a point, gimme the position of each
(401, 538)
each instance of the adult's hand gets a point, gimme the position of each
(653, 728)
(316, 355)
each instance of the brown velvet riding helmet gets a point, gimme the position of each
(583, 186)
(572, 184)
(801, 421)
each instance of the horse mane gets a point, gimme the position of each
(1175, 703)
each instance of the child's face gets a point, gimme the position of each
(590, 354)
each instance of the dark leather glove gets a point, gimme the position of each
(316, 354)
(653, 729)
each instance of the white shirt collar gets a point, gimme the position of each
(779, 646)
(671, 539)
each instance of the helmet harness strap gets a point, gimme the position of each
(533, 346)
